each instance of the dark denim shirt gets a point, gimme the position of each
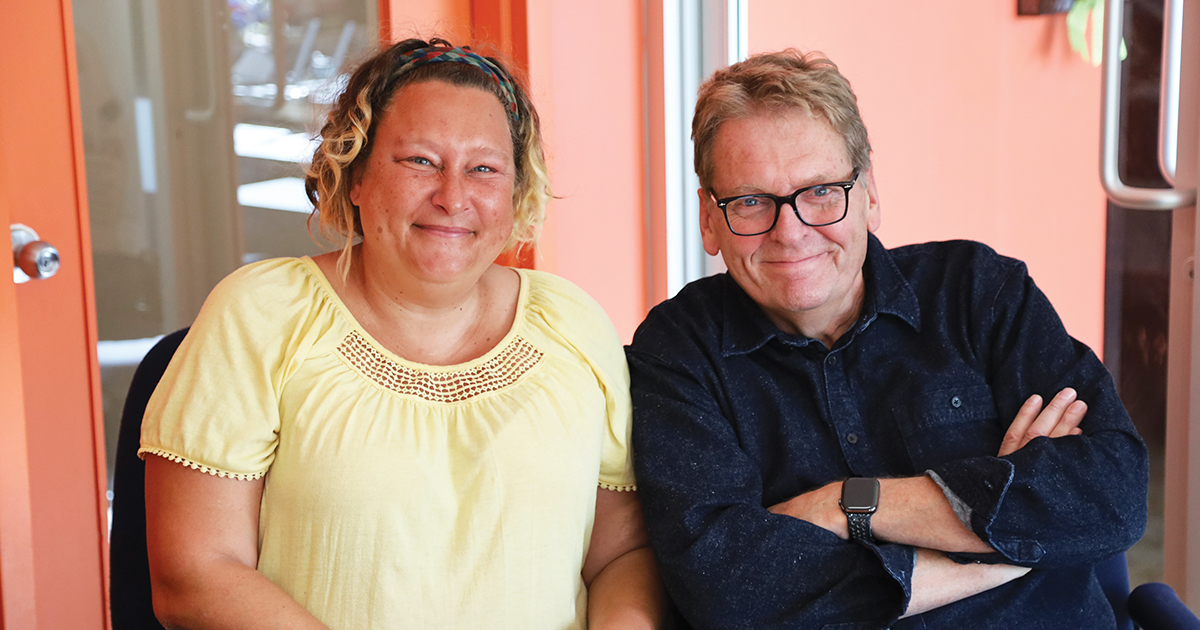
(731, 416)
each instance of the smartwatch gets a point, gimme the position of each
(860, 499)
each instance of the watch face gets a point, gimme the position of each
(860, 494)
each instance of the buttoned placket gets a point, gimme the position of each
(844, 415)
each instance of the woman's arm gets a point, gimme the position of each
(202, 538)
(624, 590)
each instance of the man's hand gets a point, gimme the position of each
(1061, 417)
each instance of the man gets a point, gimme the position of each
(834, 434)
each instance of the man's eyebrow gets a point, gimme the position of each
(816, 180)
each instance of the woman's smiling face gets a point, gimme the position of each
(435, 196)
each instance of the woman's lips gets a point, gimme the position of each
(448, 231)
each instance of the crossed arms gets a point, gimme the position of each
(914, 511)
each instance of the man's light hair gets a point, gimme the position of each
(778, 82)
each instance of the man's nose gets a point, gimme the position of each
(789, 225)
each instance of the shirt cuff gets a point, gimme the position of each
(981, 483)
(960, 507)
(899, 561)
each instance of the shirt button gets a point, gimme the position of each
(852, 438)
(956, 402)
(833, 360)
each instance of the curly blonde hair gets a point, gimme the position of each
(778, 81)
(346, 140)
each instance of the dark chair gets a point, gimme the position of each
(130, 575)
(1153, 606)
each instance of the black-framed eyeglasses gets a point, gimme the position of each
(816, 206)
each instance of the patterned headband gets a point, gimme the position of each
(425, 56)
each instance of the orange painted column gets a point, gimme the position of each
(984, 126)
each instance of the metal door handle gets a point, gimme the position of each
(1168, 102)
(1120, 193)
(33, 258)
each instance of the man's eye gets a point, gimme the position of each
(749, 202)
(819, 191)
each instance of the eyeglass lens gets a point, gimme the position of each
(756, 214)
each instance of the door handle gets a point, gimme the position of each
(1119, 192)
(33, 258)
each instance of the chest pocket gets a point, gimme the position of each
(949, 424)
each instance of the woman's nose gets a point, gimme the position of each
(451, 194)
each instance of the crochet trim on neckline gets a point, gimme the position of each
(450, 386)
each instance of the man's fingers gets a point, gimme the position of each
(1070, 419)
(1052, 415)
(1014, 438)
(1059, 418)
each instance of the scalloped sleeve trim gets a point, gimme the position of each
(217, 472)
(619, 487)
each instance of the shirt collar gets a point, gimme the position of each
(746, 328)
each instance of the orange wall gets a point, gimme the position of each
(586, 68)
(425, 18)
(984, 126)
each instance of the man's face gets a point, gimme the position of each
(808, 280)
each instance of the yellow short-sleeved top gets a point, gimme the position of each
(399, 494)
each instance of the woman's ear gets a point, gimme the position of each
(355, 187)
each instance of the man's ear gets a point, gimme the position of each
(873, 218)
(709, 212)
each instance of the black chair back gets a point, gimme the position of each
(129, 584)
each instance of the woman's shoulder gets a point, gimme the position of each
(561, 300)
(269, 274)
(268, 290)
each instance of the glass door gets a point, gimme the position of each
(197, 120)
(1149, 329)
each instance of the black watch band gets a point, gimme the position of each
(860, 526)
(860, 499)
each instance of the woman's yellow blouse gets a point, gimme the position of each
(399, 494)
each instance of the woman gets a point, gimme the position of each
(402, 433)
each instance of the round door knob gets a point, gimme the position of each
(39, 260)
(33, 258)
